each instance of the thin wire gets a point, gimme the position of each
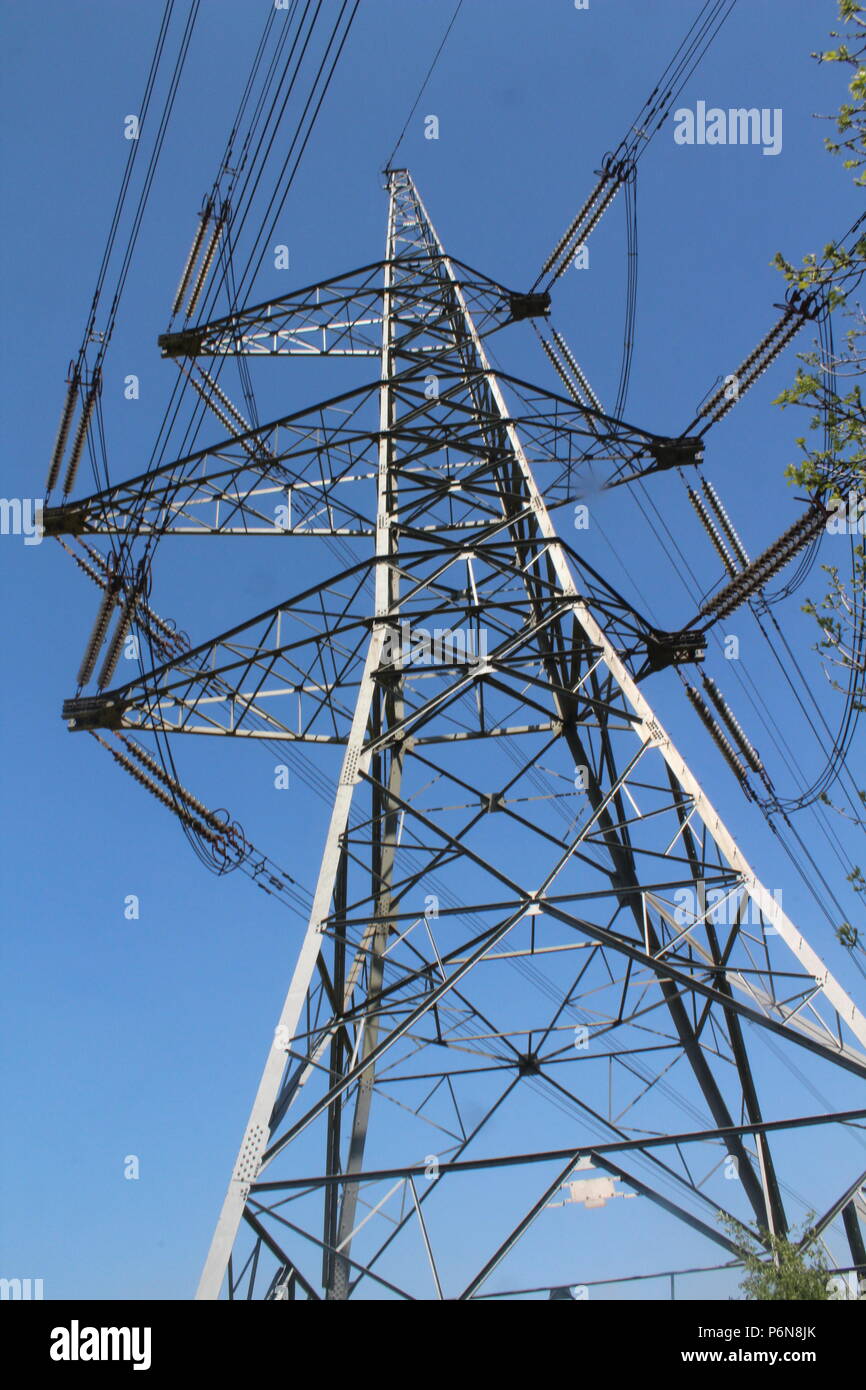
(423, 86)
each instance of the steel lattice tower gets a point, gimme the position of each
(495, 919)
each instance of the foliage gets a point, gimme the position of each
(827, 387)
(837, 461)
(780, 1268)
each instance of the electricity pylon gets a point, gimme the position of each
(525, 895)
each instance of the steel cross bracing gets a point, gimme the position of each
(497, 922)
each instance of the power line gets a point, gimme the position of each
(389, 161)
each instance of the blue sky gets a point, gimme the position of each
(146, 1037)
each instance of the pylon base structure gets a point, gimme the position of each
(535, 952)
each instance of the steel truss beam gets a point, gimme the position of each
(319, 468)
